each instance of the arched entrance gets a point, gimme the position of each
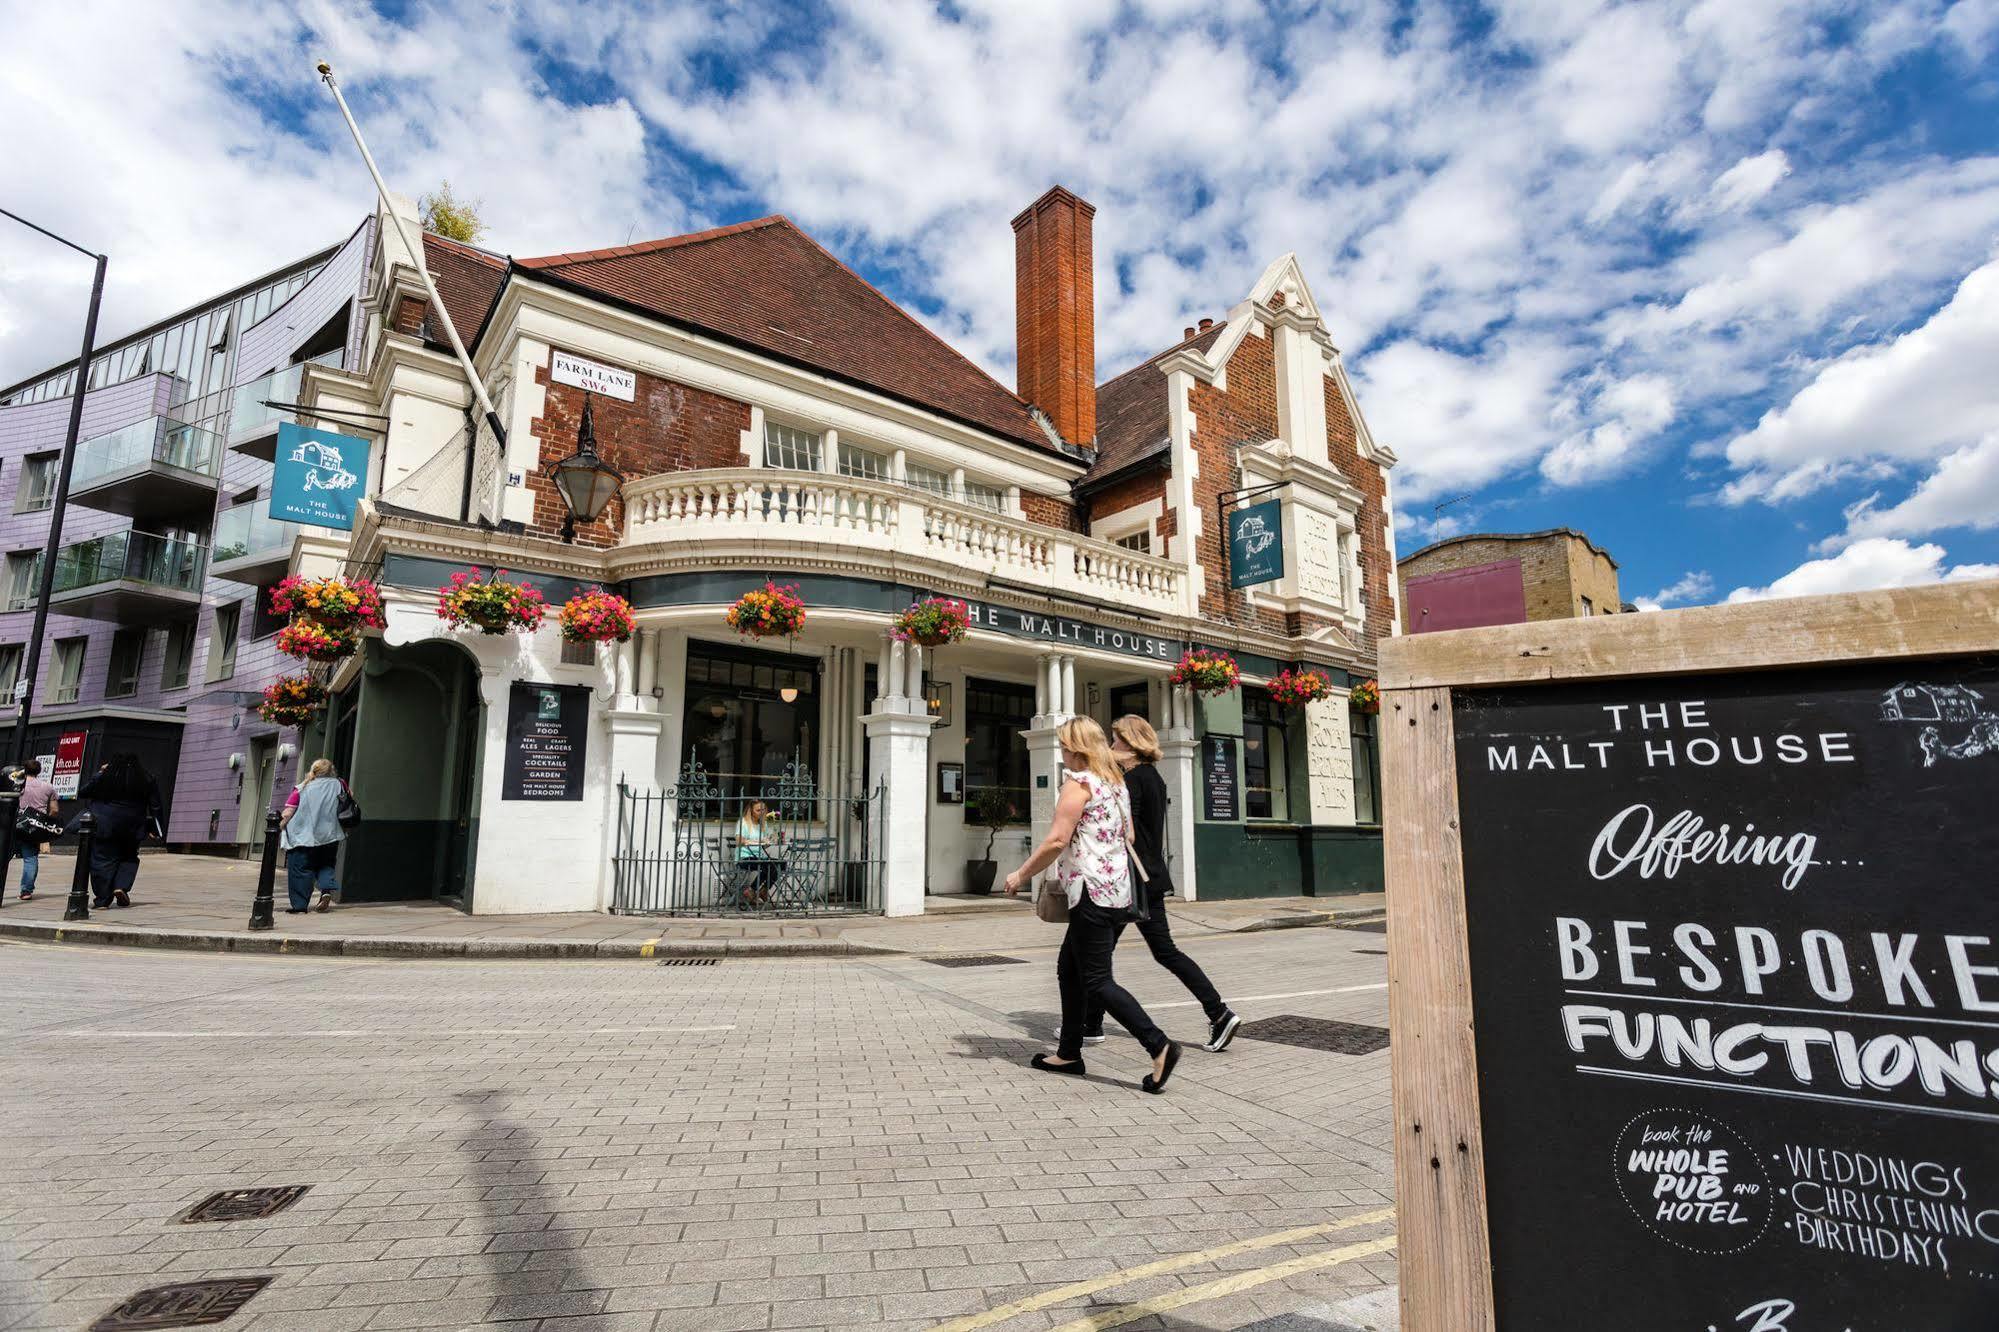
(409, 735)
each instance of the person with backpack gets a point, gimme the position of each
(317, 815)
(35, 823)
(124, 803)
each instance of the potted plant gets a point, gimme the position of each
(933, 622)
(292, 700)
(336, 603)
(991, 809)
(1294, 689)
(492, 606)
(596, 616)
(769, 611)
(1365, 697)
(311, 640)
(1206, 671)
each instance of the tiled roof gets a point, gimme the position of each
(768, 286)
(1131, 410)
(467, 278)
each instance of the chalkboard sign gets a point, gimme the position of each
(547, 737)
(1218, 777)
(1734, 968)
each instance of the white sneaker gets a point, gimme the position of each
(1087, 1040)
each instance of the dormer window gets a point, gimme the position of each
(789, 448)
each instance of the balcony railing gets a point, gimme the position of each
(247, 531)
(771, 505)
(169, 563)
(157, 440)
(251, 423)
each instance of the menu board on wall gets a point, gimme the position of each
(1218, 777)
(547, 738)
(1734, 955)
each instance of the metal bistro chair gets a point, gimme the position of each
(733, 878)
(803, 884)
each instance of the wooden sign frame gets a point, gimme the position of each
(1444, 1249)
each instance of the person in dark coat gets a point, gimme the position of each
(1137, 748)
(125, 801)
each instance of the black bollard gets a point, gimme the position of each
(79, 883)
(10, 809)
(267, 874)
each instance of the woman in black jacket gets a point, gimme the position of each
(125, 801)
(1137, 748)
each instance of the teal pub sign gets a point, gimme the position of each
(318, 477)
(1256, 543)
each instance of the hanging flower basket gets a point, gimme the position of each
(596, 616)
(312, 641)
(933, 622)
(769, 611)
(337, 603)
(1294, 689)
(492, 606)
(1207, 672)
(292, 700)
(1365, 697)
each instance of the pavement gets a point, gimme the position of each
(202, 903)
(703, 1144)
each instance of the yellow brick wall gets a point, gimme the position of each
(1557, 570)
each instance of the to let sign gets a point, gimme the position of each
(605, 379)
(317, 477)
(1218, 777)
(547, 738)
(1256, 543)
(67, 773)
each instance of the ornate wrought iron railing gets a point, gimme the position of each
(683, 852)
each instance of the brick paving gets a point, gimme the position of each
(761, 1144)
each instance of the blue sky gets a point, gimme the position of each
(1714, 282)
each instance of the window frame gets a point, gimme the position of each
(848, 449)
(15, 654)
(66, 686)
(942, 488)
(782, 439)
(25, 599)
(222, 655)
(750, 699)
(1364, 746)
(985, 723)
(121, 639)
(1142, 535)
(183, 663)
(32, 465)
(1270, 723)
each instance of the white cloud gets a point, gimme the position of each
(1963, 491)
(1870, 563)
(1750, 179)
(1913, 398)
(1691, 588)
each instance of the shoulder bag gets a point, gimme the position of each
(1140, 908)
(1051, 902)
(347, 812)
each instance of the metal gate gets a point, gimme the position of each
(679, 853)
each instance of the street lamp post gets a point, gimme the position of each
(31, 667)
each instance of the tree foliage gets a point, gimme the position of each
(446, 215)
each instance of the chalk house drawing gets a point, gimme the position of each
(325, 468)
(1937, 706)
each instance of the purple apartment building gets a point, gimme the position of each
(158, 638)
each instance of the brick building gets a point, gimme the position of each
(1466, 581)
(774, 417)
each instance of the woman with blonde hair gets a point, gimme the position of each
(1090, 845)
(1137, 749)
(312, 836)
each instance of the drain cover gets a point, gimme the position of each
(1309, 1033)
(1370, 926)
(190, 1304)
(976, 960)
(688, 961)
(244, 1204)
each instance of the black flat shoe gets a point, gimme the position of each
(1073, 1069)
(1172, 1058)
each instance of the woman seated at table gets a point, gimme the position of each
(759, 838)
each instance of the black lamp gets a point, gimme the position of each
(586, 481)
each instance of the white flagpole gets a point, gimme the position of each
(415, 249)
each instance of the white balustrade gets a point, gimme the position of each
(772, 506)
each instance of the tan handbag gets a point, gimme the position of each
(1051, 903)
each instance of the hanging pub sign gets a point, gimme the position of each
(1256, 543)
(317, 477)
(1218, 777)
(547, 737)
(1696, 1018)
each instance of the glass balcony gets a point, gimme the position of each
(130, 576)
(251, 546)
(253, 426)
(159, 466)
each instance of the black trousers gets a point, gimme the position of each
(112, 869)
(1158, 933)
(1083, 970)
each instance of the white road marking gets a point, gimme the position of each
(1261, 998)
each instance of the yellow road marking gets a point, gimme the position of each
(645, 949)
(1062, 1294)
(1230, 1285)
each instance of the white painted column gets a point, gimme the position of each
(896, 675)
(913, 685)
(899, 752)
(1044, 750)
(625, 665)
(884, 672)
(1068, 686)
(1181, 772)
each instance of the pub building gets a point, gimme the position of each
(689, 419)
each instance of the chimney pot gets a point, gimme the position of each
(1207, 324)
(1055, 313)
(1186, 332)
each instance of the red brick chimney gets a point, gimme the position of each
(1055, 312)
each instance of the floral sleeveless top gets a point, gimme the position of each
(1096, 859)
